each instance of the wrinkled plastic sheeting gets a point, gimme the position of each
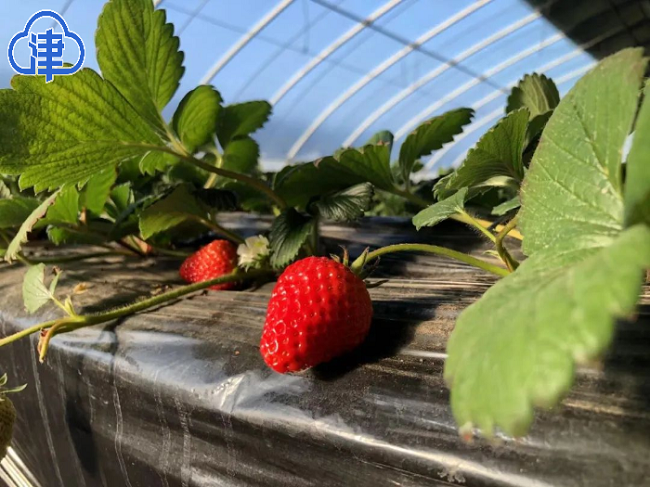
(180, 396)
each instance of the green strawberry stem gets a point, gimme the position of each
(215, 227)
(71, 323)
(509, 260)
(255, 183)
(179, 151)
(70, 258)
(470, 220)
(482, 225)
(363, 259)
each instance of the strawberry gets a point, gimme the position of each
(7, 415)
(319, 309)
(216, 259)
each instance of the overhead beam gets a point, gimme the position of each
(332, 48)
(431, 109)
(244, 40)
(382, 67)
(434, 73)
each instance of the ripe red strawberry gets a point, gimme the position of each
(319, 309)
(214, 260)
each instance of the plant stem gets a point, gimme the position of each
(253, 182)
(126, 245)
(416, 200)
(213, 177)
(508, 259)
(75, 322)
(215, 227)
(137, 306)
(467, 218)
(514, 233)
(314, 237)
(29, 331)
(431, 249)
(69, 258)
(170, 253)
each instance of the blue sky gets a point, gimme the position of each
(338, 96)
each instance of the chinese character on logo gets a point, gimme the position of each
(46, 49)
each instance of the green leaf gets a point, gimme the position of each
(122, 198)
(241, 155)
(506, 206)
(384, 137)
(431, 136)
(62, 235)
(539, 95)
(371, 163)
(242, 119)
(35, 294)
(138, 53)
(156, 161)
(497, 153)
(66, 131)
(300, 183)
(169, 212)
(216, 199)
(584, 272)
(441, 210)
(187, 172)
(536, 125)
(347, 205)
(26, 227)
(248, 198)
(97, 190)
(14, 211)
(66, 207)
(572, 191)
(195, 120)
(535, 92)
(505, 358)
(288, 233)
(5, 191)
(637, 181)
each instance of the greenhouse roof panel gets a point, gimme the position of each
(337, 71)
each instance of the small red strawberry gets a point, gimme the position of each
(319, 309)
(216, 259)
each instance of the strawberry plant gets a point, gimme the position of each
(585, 223)
(88, 159)
(7, 415)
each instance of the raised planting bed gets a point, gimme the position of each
(180, 395)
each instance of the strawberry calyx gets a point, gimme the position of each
(359, 267)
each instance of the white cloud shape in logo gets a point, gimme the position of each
(66, 32)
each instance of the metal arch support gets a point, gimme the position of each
(428, 111)
(431, 75)
(495, 94)
(345, 96)
(494, 114)
(244, 40)
(333, 47)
